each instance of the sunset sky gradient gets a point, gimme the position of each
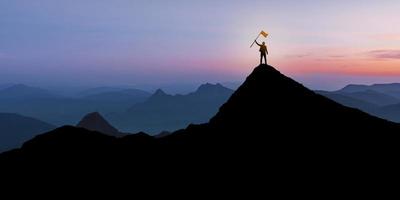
(323, 44)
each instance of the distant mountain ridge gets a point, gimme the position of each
(61, 110)
(164, 112)
(23, 91)
(369, 96)
(349, 101)
(381, 100)
(392, 89)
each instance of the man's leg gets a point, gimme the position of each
(261, 58)
(265, 58)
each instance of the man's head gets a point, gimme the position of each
(263, 43)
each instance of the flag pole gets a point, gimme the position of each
(255, 40)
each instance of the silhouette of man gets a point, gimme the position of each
(263, 52)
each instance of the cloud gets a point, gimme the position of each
(384, 54)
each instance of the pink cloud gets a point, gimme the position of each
(384, 54)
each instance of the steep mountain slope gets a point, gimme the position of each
(16, 129)
(272, 110)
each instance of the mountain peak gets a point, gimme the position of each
(270, 100)
(94, 115)
(209, 86)
(95, 122)
(159, 92)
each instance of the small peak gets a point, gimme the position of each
(265, 70)
(205, 86)
(94, 114)
(95, 121)
(160, 92)
(91, 117)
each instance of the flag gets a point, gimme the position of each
(264, 33)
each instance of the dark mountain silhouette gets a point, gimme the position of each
(95, 122)
(164, 112)
(271, 129)
(268, 98)
(16, 129)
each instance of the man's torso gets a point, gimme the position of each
(263, 48)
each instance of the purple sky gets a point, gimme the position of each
(324, 44)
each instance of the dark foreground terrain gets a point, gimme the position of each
(271, 129)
